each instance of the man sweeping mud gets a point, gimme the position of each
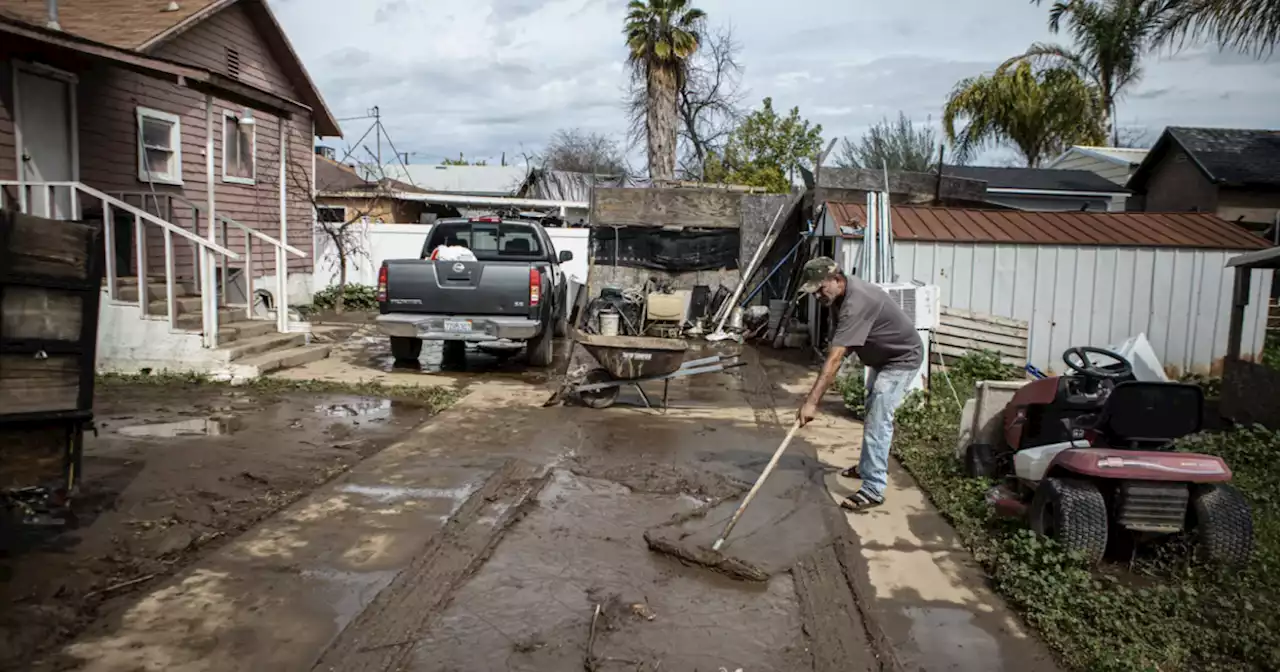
(870, 324)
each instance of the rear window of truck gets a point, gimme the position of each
(489, 241)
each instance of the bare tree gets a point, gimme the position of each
(899, 144)
(708, 104)
(580, 151)
(345, 233)
(1134, 137)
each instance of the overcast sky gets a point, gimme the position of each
(485, 77)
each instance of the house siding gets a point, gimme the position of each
(1258, 208)
(108, 98)
(1177, 185)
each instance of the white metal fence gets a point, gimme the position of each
(1088, 295)
(380, 242)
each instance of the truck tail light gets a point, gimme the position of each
(382, 284)
(535, 286)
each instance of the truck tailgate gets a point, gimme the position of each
(458, 287)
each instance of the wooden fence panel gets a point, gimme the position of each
(961, 332)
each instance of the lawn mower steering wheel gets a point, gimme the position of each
(1077, 359)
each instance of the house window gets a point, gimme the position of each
(238, 147)
(331, 214)
(159, 147)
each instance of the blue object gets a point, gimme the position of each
(777, 266)
(1035, 373)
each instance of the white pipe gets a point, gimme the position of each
(52, 7)
(282, 262)
(209, 284)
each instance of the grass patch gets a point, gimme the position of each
(1164, 614)
(433, 397)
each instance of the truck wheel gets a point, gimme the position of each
(453, 351)
(540, 348)
(562, 319)
(602, 398)
(1222, 524)
(406, 349)
(1072, 513)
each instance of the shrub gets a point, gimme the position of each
(356, 297)
(1163, 612)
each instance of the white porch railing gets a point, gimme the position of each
(279, 247)
(62, 200)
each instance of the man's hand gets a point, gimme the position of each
(806, 414)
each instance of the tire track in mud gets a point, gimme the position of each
(383, 636)
(832, 585)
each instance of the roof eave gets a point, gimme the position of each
(1055, 192)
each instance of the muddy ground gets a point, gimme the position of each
(171, 475)
(498, 536)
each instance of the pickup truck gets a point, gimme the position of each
(514, 291)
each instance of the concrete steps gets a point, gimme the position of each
(262, 364)
(247, 348)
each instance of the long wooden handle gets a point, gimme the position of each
(777, 455)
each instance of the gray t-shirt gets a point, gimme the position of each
(874, 327)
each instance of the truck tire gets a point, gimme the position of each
(541, 348)
(406, 349)
(1072, 513)
(1222, 524)
(562, 316)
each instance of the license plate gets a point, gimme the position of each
(457, 326)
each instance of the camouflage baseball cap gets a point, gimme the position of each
(815, 271)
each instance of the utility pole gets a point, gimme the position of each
(377, 122)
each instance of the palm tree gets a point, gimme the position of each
(662, 35)
(1110, 36)
(1039, 112)
(1251, 26)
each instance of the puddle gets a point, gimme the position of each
(212, 426)
(949, 634)
(357, 408)
(387, 494)
(355, 590)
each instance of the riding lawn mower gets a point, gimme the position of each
(1088, 460)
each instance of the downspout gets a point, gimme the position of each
(52, 6)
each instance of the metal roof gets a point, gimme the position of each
(461, 180)
(1134, 229)
(1036, 179)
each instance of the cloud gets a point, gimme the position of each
(485, 77)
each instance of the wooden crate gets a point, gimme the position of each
(50, 287)
(961, 332)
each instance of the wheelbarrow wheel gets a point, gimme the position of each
(601, 398)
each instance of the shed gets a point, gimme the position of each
(1249, 388)
(1081, 278)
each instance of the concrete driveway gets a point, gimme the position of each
(505, 536)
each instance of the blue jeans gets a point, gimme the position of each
(887, 390)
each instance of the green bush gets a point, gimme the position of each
(1163, 613)
(1212, 385)
(853, 389)
(356, 297)
(1271, 350)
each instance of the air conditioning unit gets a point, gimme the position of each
(920, 302)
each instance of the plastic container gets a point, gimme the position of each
(609, 324)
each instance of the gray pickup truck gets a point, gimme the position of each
(515, 290)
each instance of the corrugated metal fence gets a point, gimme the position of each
(1089, 295)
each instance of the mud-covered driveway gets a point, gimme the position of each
(505, 536)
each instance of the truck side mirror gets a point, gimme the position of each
(565, 255)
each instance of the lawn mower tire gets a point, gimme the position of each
(1222, 524)
(980, 460)
(1072, 513)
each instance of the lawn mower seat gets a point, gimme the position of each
(1147, 416)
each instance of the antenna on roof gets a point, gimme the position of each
(52, 7)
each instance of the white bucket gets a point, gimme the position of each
(609, 324)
